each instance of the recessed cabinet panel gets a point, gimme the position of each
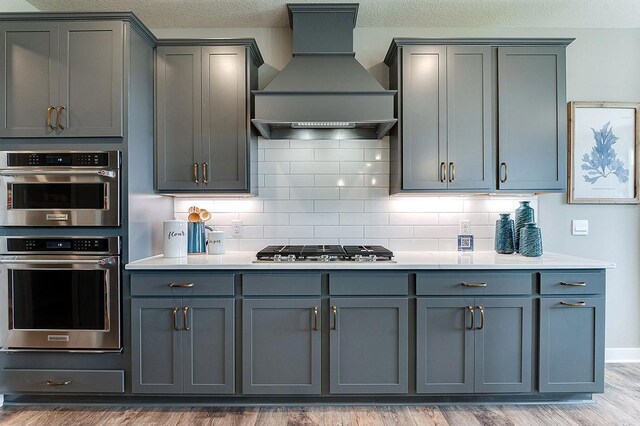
(424, 117)
(178, 118)
(29, 77)
(91, 78)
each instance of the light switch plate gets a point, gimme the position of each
(580, 227)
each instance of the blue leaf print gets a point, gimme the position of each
(603, 160)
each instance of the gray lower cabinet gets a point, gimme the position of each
(368, 345)
(532, 118)
(204, 138)
(182, 345)
(61, 79)
(572, 344)
(281, 346)
(467, 345)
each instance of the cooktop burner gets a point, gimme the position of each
(324, 253)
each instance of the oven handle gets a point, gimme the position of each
(32, 172)
(104, 261)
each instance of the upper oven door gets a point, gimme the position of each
(75, 196)
(66, 302)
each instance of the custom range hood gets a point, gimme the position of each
(323, 93)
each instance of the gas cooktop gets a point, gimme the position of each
(324, 253)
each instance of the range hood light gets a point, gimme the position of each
(323, 125)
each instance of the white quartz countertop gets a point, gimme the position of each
(404, 260)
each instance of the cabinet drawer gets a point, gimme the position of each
(62, 381)
(281, 284)
(371, 284)
(172, 284)
(572, 282)
(474, 283)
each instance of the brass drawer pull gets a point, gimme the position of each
(474, 284)
(315, 318)
(195, 172)
(443, 171)
(58, 382)
(59, 112)
(175, 319)
(334, 309)
(481, 317)
(473, 317)
(562, 302)
(205, 172)
(185, 312)
(576, 284)
(186, 285)
(51, 126)
(503, 166)
(452, 172)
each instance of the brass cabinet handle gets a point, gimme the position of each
(51, 126)
(204, 173)
(185, 311)
(334, 309)
(59, 382)
(562, 302)
(443, 171)
(576, 284)
(473, 317)
(452, 172)
(195, 173)
(315, 318)
(473, 284)
(506, 172)
(481, 317)
(175, 319)
(59, 112)
(186, 285)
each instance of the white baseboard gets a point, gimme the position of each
(622, 355)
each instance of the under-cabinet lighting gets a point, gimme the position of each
(323, 125)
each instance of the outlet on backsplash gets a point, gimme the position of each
(236, 225)
(465, 227)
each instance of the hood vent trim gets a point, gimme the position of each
(324, 92)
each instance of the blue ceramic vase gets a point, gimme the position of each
(524, 215)
(196, 238)
(505, 234)
(530, 240)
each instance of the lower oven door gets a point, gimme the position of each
(66, 302)
(64, 197)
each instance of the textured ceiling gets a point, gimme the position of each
(372, 13)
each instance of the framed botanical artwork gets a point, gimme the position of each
(603, 153)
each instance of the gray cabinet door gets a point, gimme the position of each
(532, 125)
(572, 344)
(424, 117)
(156, 364)
(91, 78)
(225, 94)
(208, 346)
(178, 118)
(29, 78)
(503, 345)
(444, 345)
(368, 345)
(281, 346)
(469, 135)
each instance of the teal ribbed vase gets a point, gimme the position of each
(504, 243)
(530, 240)
(524, 215)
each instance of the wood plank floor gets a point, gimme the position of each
(619, 405)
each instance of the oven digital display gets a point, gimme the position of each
(59, 245)
(58, 160)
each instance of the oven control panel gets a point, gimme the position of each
(79, 245)
(58, 159)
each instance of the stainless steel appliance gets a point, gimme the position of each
(324, 253)
(60, 188)
(60, 293)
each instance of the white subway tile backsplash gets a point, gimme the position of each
(336, 192)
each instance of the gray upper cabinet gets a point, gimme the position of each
(532, 129)
(281, 346)
(368, 345)
(62, 79)
(572, 344)
(444, 137)
(204, 140)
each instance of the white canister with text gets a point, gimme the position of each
(175, 238)
(215, 242)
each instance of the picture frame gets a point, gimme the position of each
(603, 153)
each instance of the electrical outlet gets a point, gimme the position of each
(237, 228)
(465, 227)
